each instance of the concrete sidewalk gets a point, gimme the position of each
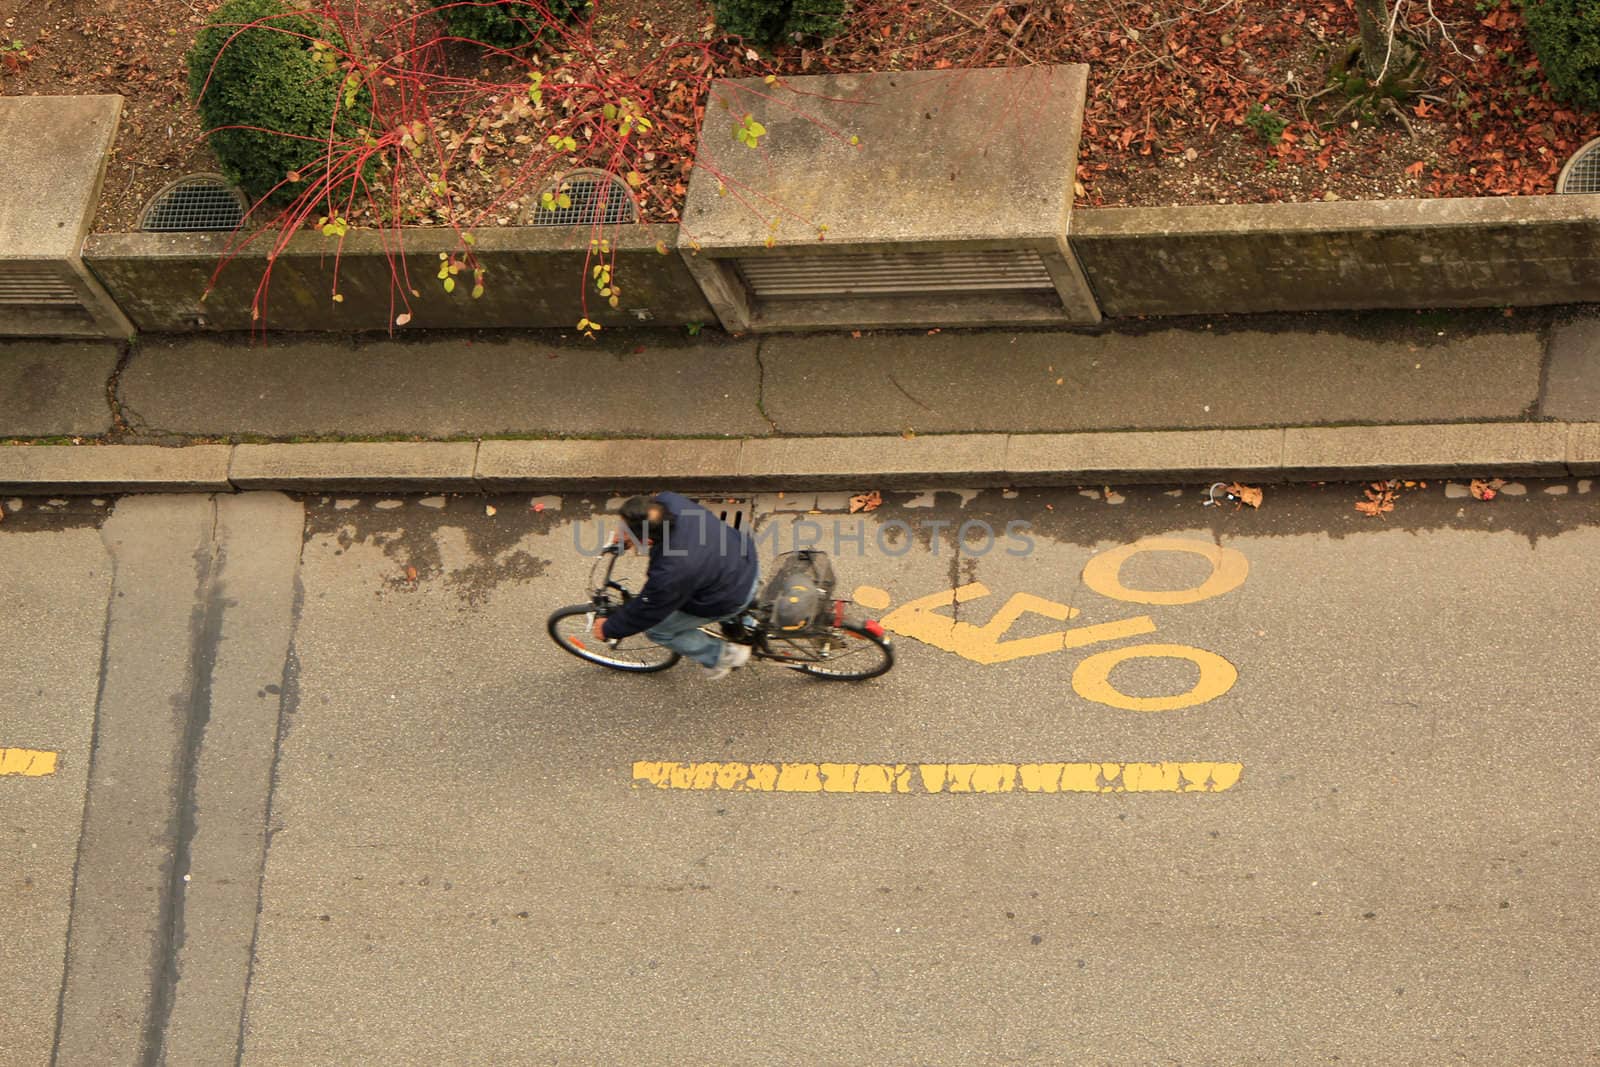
(1085, 401)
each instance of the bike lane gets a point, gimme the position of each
(54, 579)
(486, 851)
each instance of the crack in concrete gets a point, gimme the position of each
(83, 818)
(121, 426)
(761, 387)
(288, 704)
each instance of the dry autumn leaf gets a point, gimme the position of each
(1247, 494)
(1486, 490)
(1380, 498)
(411, 575)
(865, 502)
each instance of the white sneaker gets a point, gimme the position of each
(729, 659)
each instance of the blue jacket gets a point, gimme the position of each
(699, 565)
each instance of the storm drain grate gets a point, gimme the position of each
(735, 513)
(597, 197)
(200, 202)
(1582, 172)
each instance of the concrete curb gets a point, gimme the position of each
(115, 469)
(958, 460)
(355, 465)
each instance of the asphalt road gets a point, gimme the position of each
(290, 783)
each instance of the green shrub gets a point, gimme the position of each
(1566, 37)
(283, 85)
(816, 18)
(507, 25)
(773, 21)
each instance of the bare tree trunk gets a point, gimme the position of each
(1373, 18)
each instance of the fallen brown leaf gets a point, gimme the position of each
(1380, 498)
(1247, 494)
(866, 502)
(411, 575)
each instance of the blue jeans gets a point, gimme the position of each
(680, 632)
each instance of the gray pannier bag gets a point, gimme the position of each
(799, 594)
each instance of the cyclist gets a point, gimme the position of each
(701, 571)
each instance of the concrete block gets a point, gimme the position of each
(877, 462)
(1583, 448)
(113, 468)
(1461, 449)
(631, 464)
(1449, 252)
(55, 388)
(52, 191)
(967, 165)
(1046, 459)
(396, 465)
(1572, 380)
(535, 280)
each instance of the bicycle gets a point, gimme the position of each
(815, 646)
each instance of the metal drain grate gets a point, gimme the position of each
(597, 197)
(1582, 172)
(28, 286)
(735, 513)
(812, 275)
(200, 202)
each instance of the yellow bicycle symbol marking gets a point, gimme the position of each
(923, 620)
(982, 644)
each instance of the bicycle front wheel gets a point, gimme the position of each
(849, 653)
(572, 629)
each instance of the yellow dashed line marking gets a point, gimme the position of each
(28, 762)
(930, 778)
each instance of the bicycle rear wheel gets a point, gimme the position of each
(571, 628)
(849, 653)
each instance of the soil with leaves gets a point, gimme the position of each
(1189, 103)
(1234, 102)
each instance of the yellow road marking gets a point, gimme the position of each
(1229, 569)
(1092, 678)
(871, 597)
(928, 778)
(28, 762)
(920, 619)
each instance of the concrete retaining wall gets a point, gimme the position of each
(535, 278)
(1138, 261)
(1333, 256)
